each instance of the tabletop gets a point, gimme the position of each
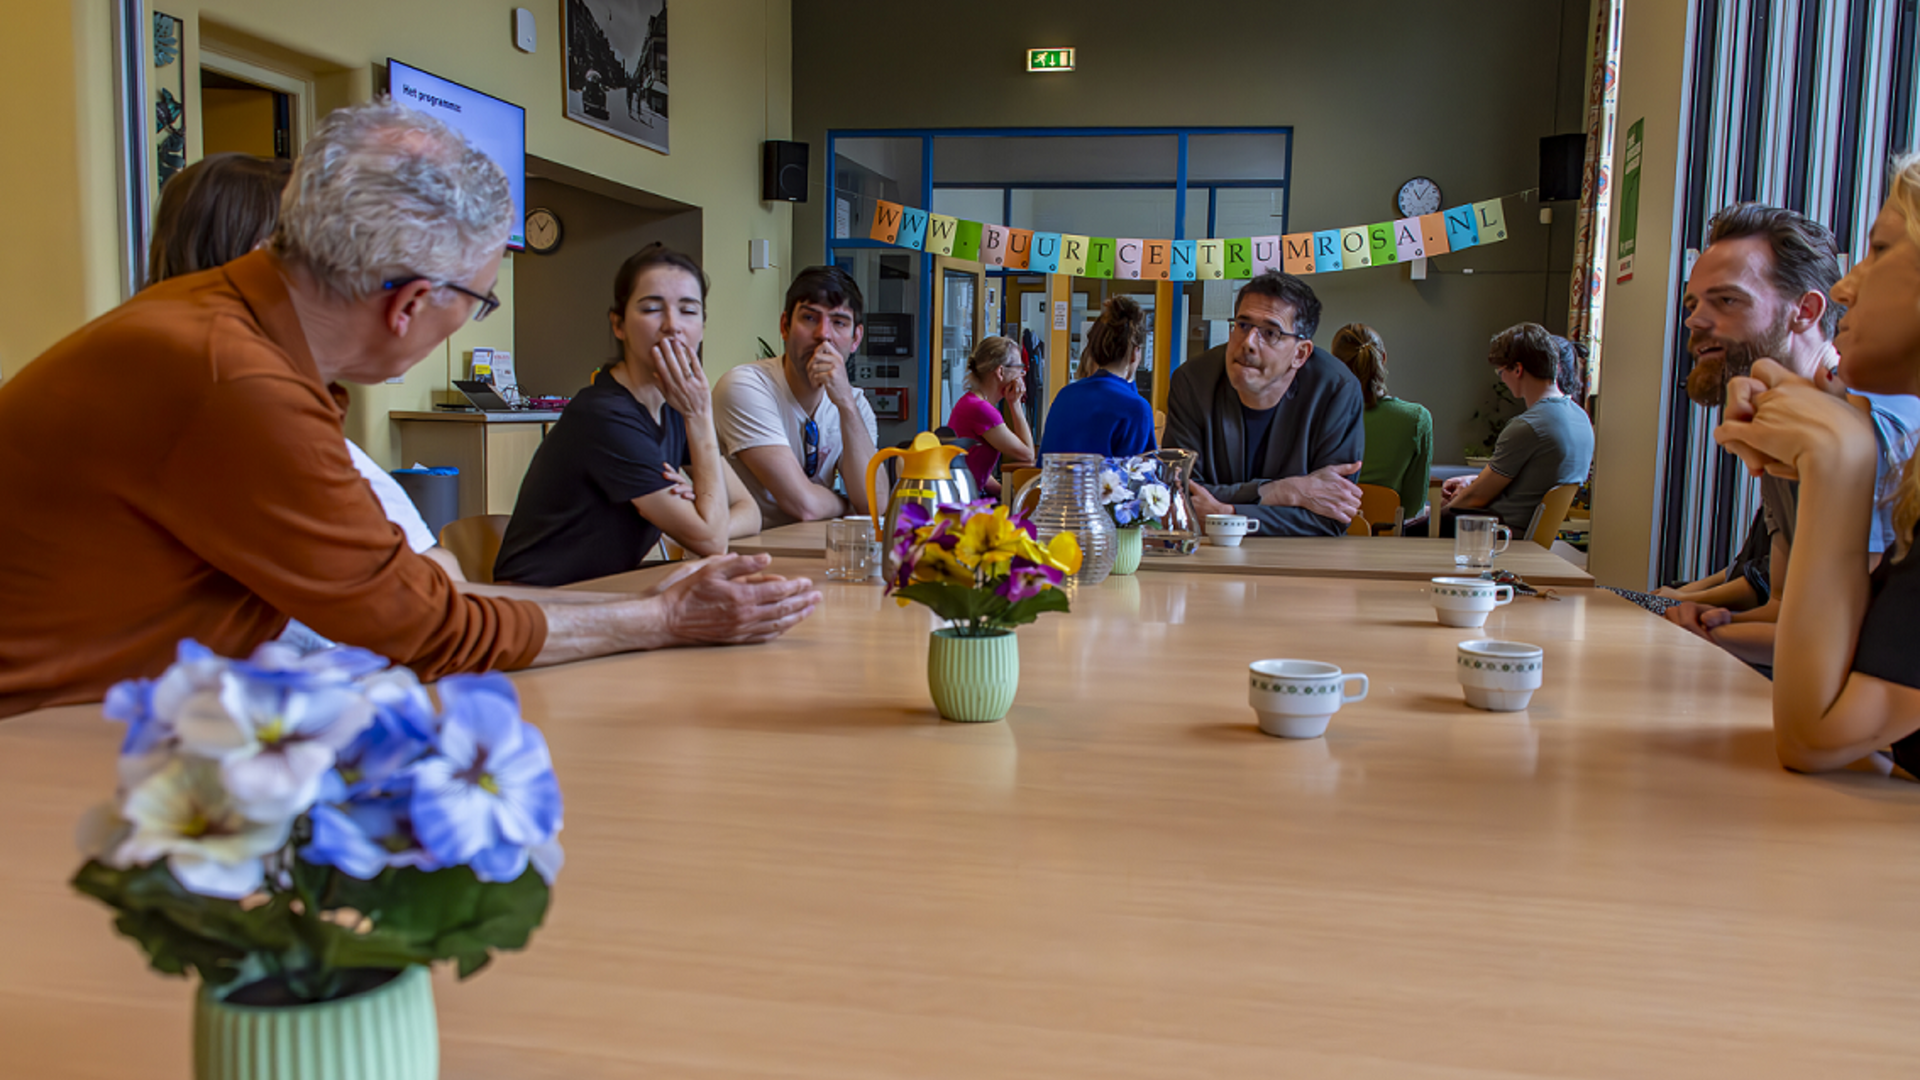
(804, 873)
(1395, 558)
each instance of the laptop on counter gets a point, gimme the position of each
(483, 396)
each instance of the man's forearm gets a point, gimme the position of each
(580, 631)
(856, 450)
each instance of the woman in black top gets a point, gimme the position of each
(634, 455)
(1847, 654)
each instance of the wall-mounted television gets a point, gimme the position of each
(496, 128)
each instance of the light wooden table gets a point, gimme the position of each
(1395, 558)
(780, 863)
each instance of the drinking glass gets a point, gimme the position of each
(852, 552)
(1474, 538)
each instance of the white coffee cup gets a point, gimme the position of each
(1295, 698)
(1465, 601)
(1227, 529)
(1499, 676)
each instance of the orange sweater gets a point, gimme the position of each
(176, 468)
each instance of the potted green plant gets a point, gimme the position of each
(307, 834)
(979, 567)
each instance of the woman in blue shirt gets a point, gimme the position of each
(1103, 413)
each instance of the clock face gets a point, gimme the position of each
(1419, 196)
(543, 231)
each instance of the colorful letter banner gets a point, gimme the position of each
(1266, 254)
(1019, 248)
(1380, 243)
(1100, 256)
(993, 245)
(966, 241)
(1046, 253)
(1073, 255)
(1322, 251)
(1211, 262)
(886, 222)
(940, 230)
(1182, 266)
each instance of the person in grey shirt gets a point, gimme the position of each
(1548, 445)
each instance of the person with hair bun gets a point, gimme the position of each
(635, 455)
(1846, 673)
(996, 376)
(1399, 433)
(1102, 413)
(1548, 445)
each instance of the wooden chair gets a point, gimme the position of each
(1548, 516)
(1378, 506)
(475, 541)
(1010, 482)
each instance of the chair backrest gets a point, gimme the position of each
(1381, 507)
(1010, 482)
(475, 541)
(1550, 514)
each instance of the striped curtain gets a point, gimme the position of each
(1586, 303)
(1795, 103)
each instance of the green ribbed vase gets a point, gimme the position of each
(388, 1033)
(973, 679)
(1128, 559)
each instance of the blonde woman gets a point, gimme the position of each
(996, 376)
(1847, 650)
(1399, 433)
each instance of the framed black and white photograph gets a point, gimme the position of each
(617, 68)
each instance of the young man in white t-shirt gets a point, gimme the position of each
(792, 423)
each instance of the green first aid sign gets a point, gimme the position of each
(1629, 232)
(1049, 59)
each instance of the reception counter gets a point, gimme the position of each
(491, 450)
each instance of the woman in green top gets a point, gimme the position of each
(1399, 433)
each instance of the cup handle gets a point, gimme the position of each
(1253, 525)
(1506, 537)
(1351, 698)
(1502, 594)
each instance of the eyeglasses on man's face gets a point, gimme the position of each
(488, 302)
(1269, 336)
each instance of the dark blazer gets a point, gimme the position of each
(1319, 424)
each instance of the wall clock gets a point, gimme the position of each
(1418, 196)
(544, 232)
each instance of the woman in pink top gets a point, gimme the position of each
(996, 374)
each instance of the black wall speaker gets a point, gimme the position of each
(783, 171)
(1563, 160)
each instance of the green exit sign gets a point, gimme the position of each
(1049, 59)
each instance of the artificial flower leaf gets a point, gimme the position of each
(955, 603)
(1033, 607)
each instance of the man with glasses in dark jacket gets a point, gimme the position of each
(1276, 421)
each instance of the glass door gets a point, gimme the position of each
(959, 322)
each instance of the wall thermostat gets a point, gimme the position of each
(525, 38)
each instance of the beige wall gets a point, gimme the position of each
(730, 91)
(1640, 313)
(1376, 93)
(238, 120)
(561, 332)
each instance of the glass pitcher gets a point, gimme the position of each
(1070, 502)
(1178, 532)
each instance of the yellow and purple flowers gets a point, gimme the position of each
(980, 566)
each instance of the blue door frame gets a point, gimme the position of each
(923, 366)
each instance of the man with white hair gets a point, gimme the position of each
(176, 468)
